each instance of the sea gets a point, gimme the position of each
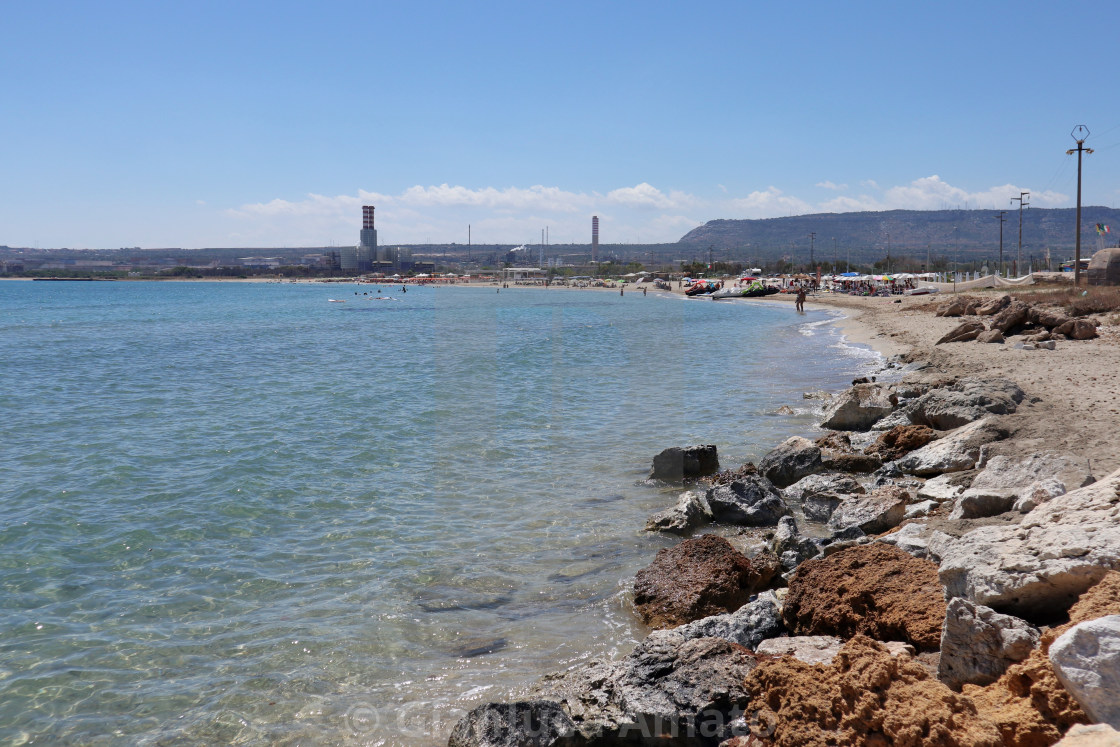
(319, 513)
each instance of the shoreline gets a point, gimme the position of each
(1060, 431)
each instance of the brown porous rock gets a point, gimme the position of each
(697, 578)
(873, 589)
(902, 439)
(1028, 703)
(864, 697)
(835, 440)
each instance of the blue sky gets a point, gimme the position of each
(268, 124)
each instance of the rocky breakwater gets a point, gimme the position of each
(915, 580)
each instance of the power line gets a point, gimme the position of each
(1019, 252)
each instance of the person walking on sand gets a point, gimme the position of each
(801, 298)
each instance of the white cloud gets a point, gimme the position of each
(641, 213)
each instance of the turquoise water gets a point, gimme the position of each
(239, 513)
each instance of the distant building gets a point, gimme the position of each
(361, 257)
(594, 238)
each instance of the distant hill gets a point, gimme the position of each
(961, 234)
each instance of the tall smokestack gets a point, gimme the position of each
(594, 238)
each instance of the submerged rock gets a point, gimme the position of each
(692, 510)
(675, 464)
(698, 578)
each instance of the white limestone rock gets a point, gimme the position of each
(1086, 659)
(978, 644)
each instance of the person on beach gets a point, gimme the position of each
(800, 305)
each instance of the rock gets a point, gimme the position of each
(527, 723)
(1086, 659)
(945, 488)
(954, 452)
(1048, 317)
(690, 688)
(1097, 735)
(876, 512)
(819, 649)
(865, 696)
(695, 579)
(795, 458)
(872, 589)
(994, 306)
(920, 509)
(918, 540)
(835, 440)
(819, 507)
(966, 401)
(963, 332)
(747, 626)
(990, 336)
(1040, 337)
(1015, 314)
(850, 462)
(1039, 567)
(902, 439)
(791, 546)
(858, 408)
(830, 483)
(1077, 329)
(1027, 704)
(1004, 479)
(751, 501)
(1037, 493)
(676, 464)
(978, 644)
(728, 476)
(692, 510)
(956, 307)
(1046, 345)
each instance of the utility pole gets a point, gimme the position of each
(1083, 131)
(888, 272)
(1002, 220)
(812, 240)
(1019, 252)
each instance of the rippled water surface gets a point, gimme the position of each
(239, 513)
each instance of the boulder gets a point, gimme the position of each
(880, 510)
(991, 336)
(695, 579)
(1077, 329)
(1015, 314)
(959, 306)
(966, 401)
(978, 644)
(858, 408)
(850, 462)
(795, 458)
(865, 696)
(918, 540)
(994, 306)
(1086, 659)
(669, 685)
(675, 464)
(692, 510)
(1037, 568)
(751, 501)
(831, 483)
(747, 626)
(835, 440)
(963, 332)
(954, 452)
(902, 439)
(526, 723)
(945, 488)
(792, 547)
(919, 509)
(1097, 735)
(819, 649)
(998, 487)
(873, 589)
(1048, 317)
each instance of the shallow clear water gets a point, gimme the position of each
(239, 513)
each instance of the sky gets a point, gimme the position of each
(253, 124)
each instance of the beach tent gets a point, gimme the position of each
(849, 275)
